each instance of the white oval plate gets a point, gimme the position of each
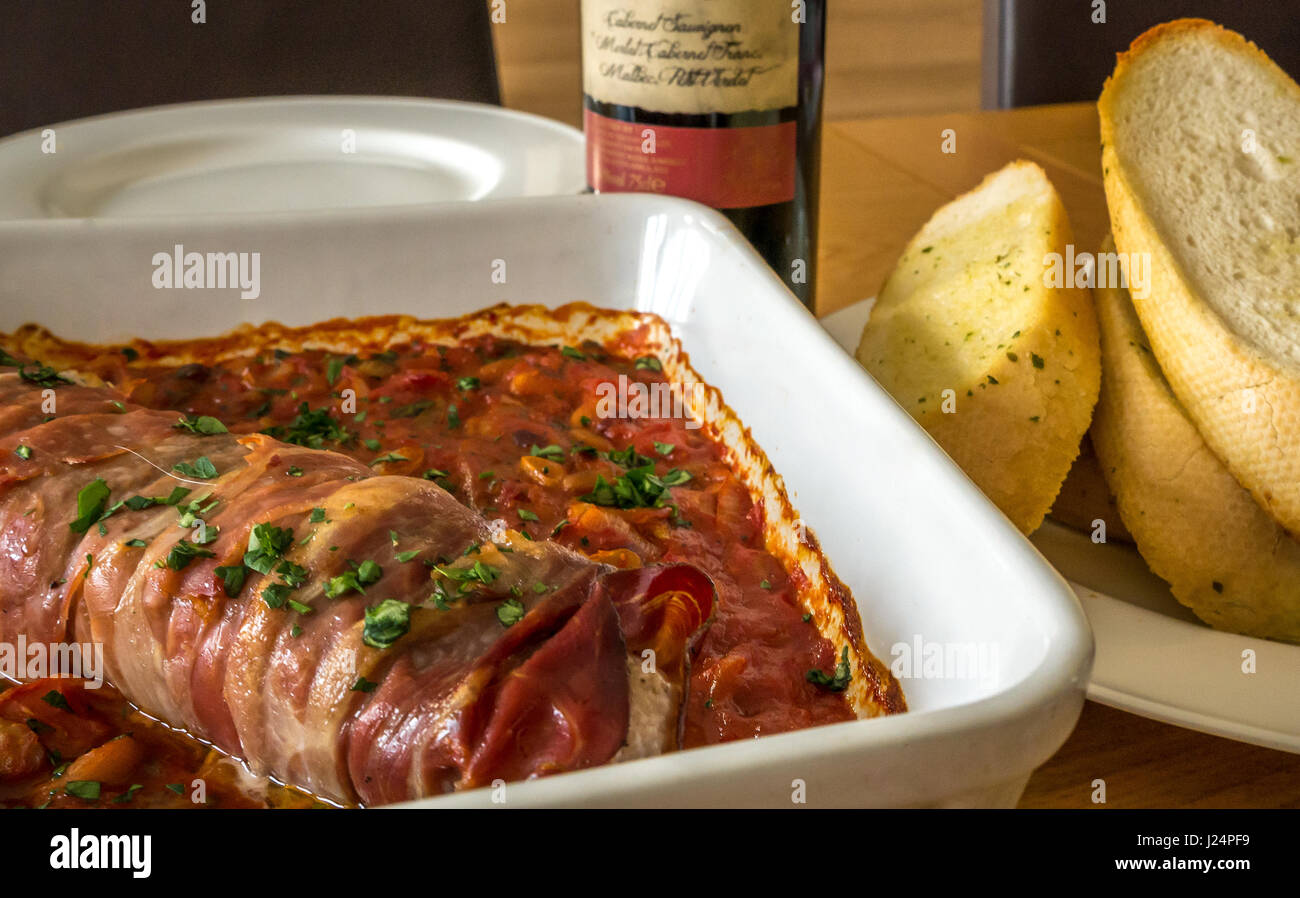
(1154, 657)
(285, 154)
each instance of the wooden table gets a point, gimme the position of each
(881, 179)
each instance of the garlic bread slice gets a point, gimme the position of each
(1000, 368)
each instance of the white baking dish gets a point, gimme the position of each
(926, 555)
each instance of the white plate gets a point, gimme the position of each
(923, 551)
(283, 154)
(1154, 657)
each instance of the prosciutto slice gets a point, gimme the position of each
(360, 636)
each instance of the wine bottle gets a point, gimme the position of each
(718, 101)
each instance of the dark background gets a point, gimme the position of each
(1048, 51)
(64, 59)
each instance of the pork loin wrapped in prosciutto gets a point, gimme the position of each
(363, 637)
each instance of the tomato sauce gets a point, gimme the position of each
(66, 744)
(518, 433)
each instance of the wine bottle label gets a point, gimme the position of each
(726, 168)
(692, 57)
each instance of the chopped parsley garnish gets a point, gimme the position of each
(371, 444)
(23, 452)
(140, 503)
(551, 452)
(178, 788)
(43, 376)
(629, 458)
(649, 363)
(317, 515)
(201, 468)
(391, 456)
(206, 535)
(311, 428)
(295, 575)
(91, 500)
(560, 526)
(364, 685)
(128, 794)
(204, 425)
(232, 578)
(135, 543)
(194, 510)
(478, 572)
(839, 681)
(184, 552)
(664, 449)
(333, 369)
(570, 353)
(275, 595)
(465, 384)
(404, 557)
(412, 410)
(87, 790)
(453, 417)
(173, 498)
(640, 487)
(55, 699)
(356, 579)
(440, 598)
(386, 623)
(510, 612)
(526, 515)
(266, 544)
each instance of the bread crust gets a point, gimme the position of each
(1195, 526)
(1245, 405)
